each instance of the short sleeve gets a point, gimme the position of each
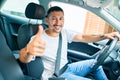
(69, 34)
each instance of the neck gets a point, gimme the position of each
(52, 34)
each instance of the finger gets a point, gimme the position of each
(38, 43)
(38, 51)
(111, 37)
(40, 31)
(42, 42)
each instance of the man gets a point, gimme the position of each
(45, 45)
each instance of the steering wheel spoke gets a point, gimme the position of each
(105, 52)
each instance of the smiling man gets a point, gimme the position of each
(45, 44)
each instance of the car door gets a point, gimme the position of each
(12, 17)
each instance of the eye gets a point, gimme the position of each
(53, 18)
(62, 18)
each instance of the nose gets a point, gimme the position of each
(57, 21)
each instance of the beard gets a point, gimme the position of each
(57, 28)
(56, 31)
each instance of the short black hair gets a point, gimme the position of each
(54, 8)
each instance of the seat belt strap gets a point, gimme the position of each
(58, 57)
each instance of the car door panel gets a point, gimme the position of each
(11, 25)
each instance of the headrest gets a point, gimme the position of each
(35, 11)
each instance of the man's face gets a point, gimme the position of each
(55, 21)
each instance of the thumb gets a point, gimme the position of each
(40, 31)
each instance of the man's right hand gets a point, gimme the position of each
(37, 45)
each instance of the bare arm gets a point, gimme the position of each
(93, 38)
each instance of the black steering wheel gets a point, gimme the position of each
(104, 52)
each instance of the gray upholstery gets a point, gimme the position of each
(25, 32)
(35, 11)
(1, 76)
(9, 68)
(34, 68)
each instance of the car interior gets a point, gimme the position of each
(7, 57)
(15, 33)
(25, 32)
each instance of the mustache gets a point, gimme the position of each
(57, 25)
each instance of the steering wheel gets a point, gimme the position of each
(104, 52)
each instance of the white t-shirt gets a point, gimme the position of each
(49, 56)
(50, 53)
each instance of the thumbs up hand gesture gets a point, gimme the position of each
(37, 45)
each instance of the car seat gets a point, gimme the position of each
(9, 68)
(33, 11)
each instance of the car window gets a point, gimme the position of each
(82, 21)
(114, 9)
(16, 7)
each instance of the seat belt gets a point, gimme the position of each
(58, 57)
